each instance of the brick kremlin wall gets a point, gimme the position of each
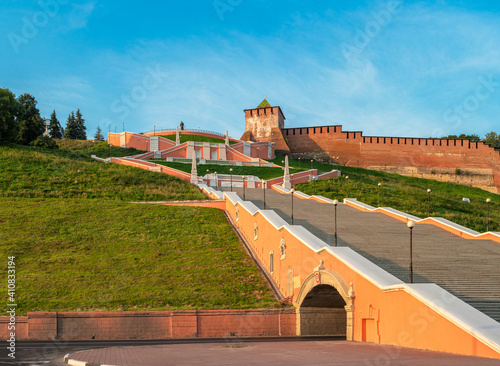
(401, 154)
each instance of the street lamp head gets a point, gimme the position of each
(379, 184)
(231, 170)
(335, 202)
(429, 190)
(410, 224)
(488, 200)
(346, 177)
(292, 191)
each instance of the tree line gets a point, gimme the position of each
(491, 138)
(20, 121)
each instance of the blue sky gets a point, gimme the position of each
(393, 68)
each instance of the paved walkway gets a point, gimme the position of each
(469, 269)
(300, 353)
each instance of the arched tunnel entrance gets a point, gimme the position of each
(325, 305)
(322, 312)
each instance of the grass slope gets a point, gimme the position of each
(30, 172)
(80, 246)
(90, 255)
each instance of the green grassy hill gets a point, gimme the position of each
(80, 245)
(70, 173)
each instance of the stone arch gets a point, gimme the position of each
(325, 298)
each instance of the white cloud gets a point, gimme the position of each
(79, 15)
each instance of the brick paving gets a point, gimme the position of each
(300, 353)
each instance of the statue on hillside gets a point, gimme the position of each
(182, 125)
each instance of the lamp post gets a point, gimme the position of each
(411, 225)
(335, 203)
(379, 185)
(312, 163)
(488, 215)
(154, 130)
(429, 202)
(123, 122)
(244, 195)
(231, 174)
(314, 184)
(347, 185)
(115, 128)
(109, 142)
(292, 191)
(264, 184)
(216, 181)
(299, 162)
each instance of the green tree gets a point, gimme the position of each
(472, 137)
(492, 138)
(31, 125)
(44, 141)
(9, 111)
(80, 126)
(98, 135)
(54, 127)
(463, 136)
(71, 131)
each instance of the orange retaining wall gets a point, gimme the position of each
(152, 325)
(393, 315)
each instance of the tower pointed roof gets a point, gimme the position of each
(264, 104)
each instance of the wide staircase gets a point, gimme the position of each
(469, 269)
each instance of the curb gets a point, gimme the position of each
(72, 362)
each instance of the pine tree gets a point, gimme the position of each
(54, 127)
(80, 126)
(98, 135)
(70, 131)
(31, 125)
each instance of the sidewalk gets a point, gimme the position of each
(275, 353)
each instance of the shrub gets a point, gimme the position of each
(45, 142)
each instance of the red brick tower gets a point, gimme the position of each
(265, 123)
